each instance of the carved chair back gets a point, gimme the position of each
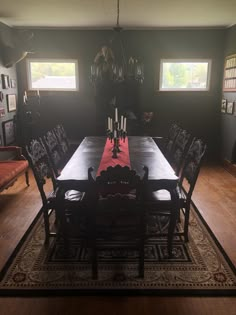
(54, 150)
(192, 166)
(180, 149)
(40, 164)
(62, 138)
(171, 138)
(117, 180)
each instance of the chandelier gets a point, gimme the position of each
(111, 65)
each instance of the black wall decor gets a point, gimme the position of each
(199, 112)
(228, 122)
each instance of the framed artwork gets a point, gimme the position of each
(13, 83)
(11, 102)
(5, 81)
(2, 111)
(223, 106)
(229, 82)
(230, 108)
(1, 96)
(8, 132)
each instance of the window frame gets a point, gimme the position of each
(176, 60)
(52, 60)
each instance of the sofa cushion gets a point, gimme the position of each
(10, 170)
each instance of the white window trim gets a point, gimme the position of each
(29, 81)
(209, 61)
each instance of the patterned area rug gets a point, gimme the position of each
(199, 267)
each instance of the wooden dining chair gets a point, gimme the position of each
(188, 179)
(166, 143)
(162, 209)
(54, 151)
(62, 138)
(43, 173)
(118, 211)
(68, 146)
(179, 150)
(160, 202)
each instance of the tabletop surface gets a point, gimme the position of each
(143, 152)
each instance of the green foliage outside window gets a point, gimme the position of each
(184, 75)
(41, 69)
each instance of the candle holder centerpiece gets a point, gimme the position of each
(116, 131)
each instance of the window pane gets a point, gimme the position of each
(47, 75)
(181, 75)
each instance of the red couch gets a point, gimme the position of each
(11, 169)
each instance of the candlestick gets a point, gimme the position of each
(111, 124)
(124, 124)
(121, 122)
(124, 135)
(114, 150)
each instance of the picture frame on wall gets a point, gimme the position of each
(2, 111)
(230, 108)
(5, 81)
(235, 109)
(223, 106)
(229, 81)
(8, 132)
(13, 83)
(1, 96)
(11, 102)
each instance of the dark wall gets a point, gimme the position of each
(11, 73)
(199, 112)
(228, 122)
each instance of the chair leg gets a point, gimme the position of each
(92, 243)
(141, 259)
(170, 236)
(141, 245)
(46, 225)
(186, 223)
(173, 220)
(94, 264)
(94, 257)
(27, 178)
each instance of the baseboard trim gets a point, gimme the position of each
(230, 167)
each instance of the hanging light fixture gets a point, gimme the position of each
(112, 66)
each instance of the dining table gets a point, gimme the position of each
(136, 151)
(143, 151)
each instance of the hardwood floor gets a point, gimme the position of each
(215, 197)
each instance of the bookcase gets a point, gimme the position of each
(229, 82)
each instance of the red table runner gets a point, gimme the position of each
(122, 159)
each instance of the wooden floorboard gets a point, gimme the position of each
(215, 197)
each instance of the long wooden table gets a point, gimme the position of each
(143, 152)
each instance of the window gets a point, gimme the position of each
(184, 75)
(45, 74)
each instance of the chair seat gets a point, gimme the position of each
(70, 195)
(163, 197)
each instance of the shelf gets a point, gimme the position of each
(229, 82)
